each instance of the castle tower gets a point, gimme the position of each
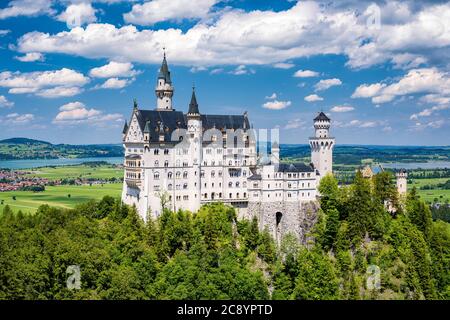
(164, 88)
(195, 132)
(402, 176)
(322, 145)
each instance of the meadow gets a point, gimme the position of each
(57, 196)
(77, 171)
(429, 195)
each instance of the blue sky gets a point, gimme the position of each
(70, 68)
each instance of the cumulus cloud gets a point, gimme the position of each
(271, 97)
(49, 84)
(114, 69)
(424, 80)
(428, 112)
(155, 11)
(276, 105)
(4, 103)
(283, 65)
(242, 69)
(115, 83)
(313, 98)
(305, 74)
(17, 8)
(4, 32)
(78, 14)
(327, 83)
(361, 124)
(77, 113)
(31, 57)
(261, 37)
(342, 109)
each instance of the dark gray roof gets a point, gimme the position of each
(321, 117)
(147, 127)
(223, 122)
(193, 106)
(133, 156)
(294, 167)
(255, 177)
(164, 72)
(125, 128)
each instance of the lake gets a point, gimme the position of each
(418, 165)
(26, 164)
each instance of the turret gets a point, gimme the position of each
(147, 132)
(195, 132)
(322, 145)
(164, 89)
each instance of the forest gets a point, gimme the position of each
(211, 254)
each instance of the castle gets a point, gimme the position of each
(182, 160)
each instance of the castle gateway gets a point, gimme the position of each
(182, 160)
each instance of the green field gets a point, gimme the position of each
(79, 171)
(57, 196)
(430, 195)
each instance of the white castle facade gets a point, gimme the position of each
(181, 161)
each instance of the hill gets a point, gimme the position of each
(24, 148)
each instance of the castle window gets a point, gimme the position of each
(170, 186)
(156, 175)
(237, 184)
(185, 164)
(178, 175)
(230, 184)
(166, 163)
(245, 194)
(208, 151)
(156, 163)
(230, 196)
(244, 184)
(202, 174)
(213, 174)
(185, 175)
(166, 151)
(169, 175)
(237, 195)
(220, 173)
(185, 186)
(156, 151)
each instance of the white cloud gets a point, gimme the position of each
(283, 65)
(305, 74)
(4, 32)
(5, 103)
(271, 97)
(342, 109)
(327, 83)
(294, 124)
(261, 37)
(114, 69)
(361, 124)
(276, 105)
(49, 84)
(242, 69)
(17, 119)
(115, 83)
(428, 112)
(17, 8)
(419, 126)
(78, 14)
(31, 57)
(424, 80)
(77, 113)
(313, 98)
(155, 11)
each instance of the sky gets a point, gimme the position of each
(70, 69)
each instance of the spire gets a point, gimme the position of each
(135, 105)
(147, 127)
(321, 117)
(193, 106)
(164, 72)
(125, 127)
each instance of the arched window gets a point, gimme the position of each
(230, 184)
(156, 175)
(185, 175)
(213, 174)
(169, 175)
(166, 163)
(178, 175)
(170, 186)
(237, 184)
(156, 163)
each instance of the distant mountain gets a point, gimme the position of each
(23, 141)
(24, 148)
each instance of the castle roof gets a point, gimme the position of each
(321, 117)
(193, 105)
(164, 72)
(295, 167)
(173, 120)
(125, 127)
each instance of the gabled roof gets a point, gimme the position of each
(294, 167)
(321, 117)
(125, 127)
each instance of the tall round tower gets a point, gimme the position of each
(402, 177)
(322, 145)
(164, 88)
